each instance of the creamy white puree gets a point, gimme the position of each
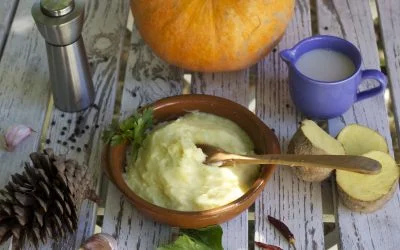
(169, 171)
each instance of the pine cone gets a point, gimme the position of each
(43, 202)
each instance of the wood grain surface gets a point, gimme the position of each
(25, 94)
(389, 17)
(7, 11)
(147, 79)
(285, 197)
(23, 74)
(353, 21)
(20, 89)
(78, 135)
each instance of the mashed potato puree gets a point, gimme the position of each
(169, 170)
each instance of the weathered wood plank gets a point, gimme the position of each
(24, 88)
(234, 86)
(389, 16)
(230, 85)
(103, 33)
(7, 11)
(78, 135)
(352, 20)
(295, 202)
(147, 79)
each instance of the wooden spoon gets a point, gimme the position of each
(352, 163)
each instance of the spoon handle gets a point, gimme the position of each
(353, 163)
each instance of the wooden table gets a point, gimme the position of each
(142, 78)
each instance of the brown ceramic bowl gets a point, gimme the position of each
(264, 140)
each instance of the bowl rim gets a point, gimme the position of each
(255, 188)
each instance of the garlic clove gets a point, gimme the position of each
(15, 135)
(100, 241)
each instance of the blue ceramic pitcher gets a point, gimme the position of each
(325, 100)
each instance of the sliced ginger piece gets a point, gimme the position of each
(358, 140)
(367, 193)
(310, 139)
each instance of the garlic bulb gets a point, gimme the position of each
(100, 241)
(15, 135)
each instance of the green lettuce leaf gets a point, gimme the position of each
(209, 238)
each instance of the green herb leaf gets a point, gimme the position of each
(133, 129)
(116, 139)
(209, 238)
(184, 242)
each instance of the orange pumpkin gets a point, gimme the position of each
(212, 35)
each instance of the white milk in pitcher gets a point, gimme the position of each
(325, 65)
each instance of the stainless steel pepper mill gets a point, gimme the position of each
(60, 22)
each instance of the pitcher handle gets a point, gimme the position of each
(375, 75)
